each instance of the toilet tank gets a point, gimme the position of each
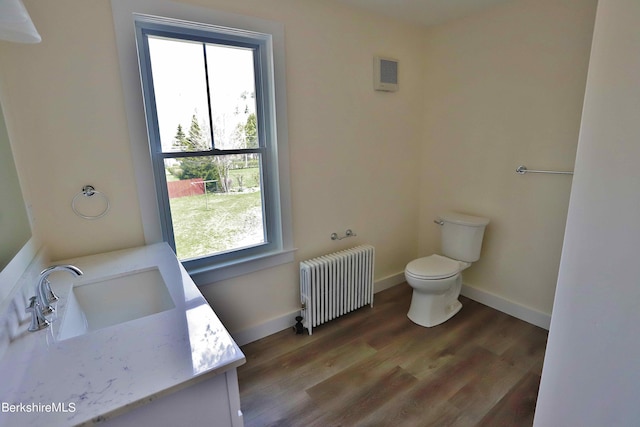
(462, 236)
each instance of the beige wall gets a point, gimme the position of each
(354, 152)
(69, 127)
(477, 97)
(504, 88)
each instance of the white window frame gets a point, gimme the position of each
(125, 13)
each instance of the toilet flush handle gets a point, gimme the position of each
(438, 221)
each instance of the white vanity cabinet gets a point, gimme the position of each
(176, 366)
(211, 402)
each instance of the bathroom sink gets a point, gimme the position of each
(110, 301)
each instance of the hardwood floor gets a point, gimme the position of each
(374, 367)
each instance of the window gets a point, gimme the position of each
(209, 99)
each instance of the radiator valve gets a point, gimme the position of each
(298, 327)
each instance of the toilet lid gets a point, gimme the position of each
(433, 267)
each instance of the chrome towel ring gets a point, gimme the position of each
(90, 191)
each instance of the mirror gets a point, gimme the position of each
(15, 229)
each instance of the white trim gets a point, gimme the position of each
(208, 275)
(277, 324)
(511, 308)
(388, 282)
(499, 303)
(270, 327)
(123, 11)
(527, 314)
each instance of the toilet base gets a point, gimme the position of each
(437, 314)
(431, 309)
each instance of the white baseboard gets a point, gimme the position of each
(277, 324)
(286, 321)
(511, 308)
(388, 282)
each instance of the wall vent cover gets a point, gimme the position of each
(385, 74)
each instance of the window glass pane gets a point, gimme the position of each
(180, 86)
(233, 96)
(216, 203)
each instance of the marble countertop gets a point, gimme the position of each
(106, 372)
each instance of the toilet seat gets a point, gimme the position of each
(433, 267)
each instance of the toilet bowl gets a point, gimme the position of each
(437, 279)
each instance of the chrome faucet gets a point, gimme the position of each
(41, 304)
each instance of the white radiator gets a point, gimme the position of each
(335, 284)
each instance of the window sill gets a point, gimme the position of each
(207, 275)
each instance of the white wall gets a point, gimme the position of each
(505, 87)
(591, 373)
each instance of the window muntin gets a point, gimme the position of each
(226, 131)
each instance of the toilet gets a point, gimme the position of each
(437, 279)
